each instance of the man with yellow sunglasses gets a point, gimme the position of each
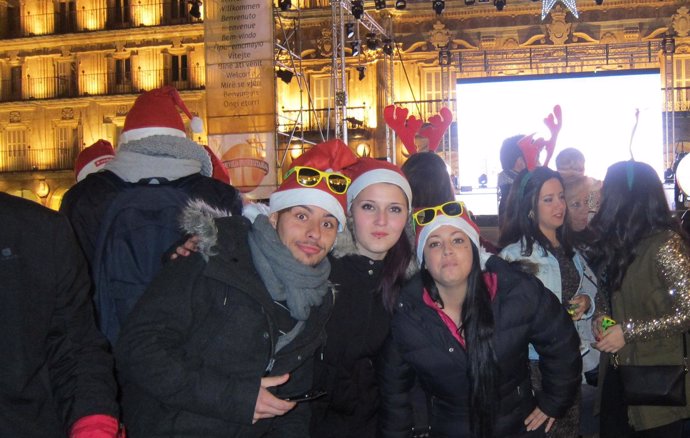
(222, 342)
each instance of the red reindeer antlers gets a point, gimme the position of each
(407, 128)
(532, 148)
(438, 124)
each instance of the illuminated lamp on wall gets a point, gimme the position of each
(363, 150)
(42, 188)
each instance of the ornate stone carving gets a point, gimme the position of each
(15, 117)
(681, 22)
(440, 36)
(67, 114)
(324, 42)
(558, 30)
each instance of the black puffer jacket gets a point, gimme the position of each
(54, 363)
(345, 370)
(195, 347)
(421, 345)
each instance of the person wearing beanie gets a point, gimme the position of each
(93, 158)
(153, 148)
(222, 343)
(370, 262)
(56, 373)
(461, 328)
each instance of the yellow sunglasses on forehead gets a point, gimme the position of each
(310, 177)
(450, 209)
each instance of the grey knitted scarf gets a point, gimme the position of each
(286, 279)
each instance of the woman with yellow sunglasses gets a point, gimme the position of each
(368, 266)
(461, 328)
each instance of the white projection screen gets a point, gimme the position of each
(598, 119)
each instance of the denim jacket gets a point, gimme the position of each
(550, 274)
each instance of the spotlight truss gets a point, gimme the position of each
(356, 48)
(387, 46)
(349, 30)
(500, 4)
(380, 4)
(438, 6)
(400, 4)
(372, 41)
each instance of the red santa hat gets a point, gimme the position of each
(156, 112)
(463, 222)
(368, 171)
(331, 156)
(220, 172)
(93, 158)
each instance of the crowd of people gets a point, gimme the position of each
(360, 301)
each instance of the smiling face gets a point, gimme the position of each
(551, 207)
(379, 214)
(307, 231)
(448, 257)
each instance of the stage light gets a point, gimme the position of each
(372, 41)
(469, 2)
(500, 4)
(355, 46)
(387, 47)
(599, 2)
(349, 30)
(361, 69)
(285, 75)
(380, 4)
(284, 5)
(438, 6)
(357, 9)
(668, 45)
(400, 4)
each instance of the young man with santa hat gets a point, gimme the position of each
(224, 338)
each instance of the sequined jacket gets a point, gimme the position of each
(653, 304)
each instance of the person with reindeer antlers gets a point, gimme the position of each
(536, 234)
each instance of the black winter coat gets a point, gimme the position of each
(54, 363)
(194, 349)
(421, 345)
(356, 332)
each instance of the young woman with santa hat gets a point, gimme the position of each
(369, 264)
(461, 327)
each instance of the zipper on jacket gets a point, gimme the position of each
(271, 362)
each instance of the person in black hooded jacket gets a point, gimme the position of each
(463, 334)
(56, 374)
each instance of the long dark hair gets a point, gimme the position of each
(429, 180)
(478, 330)
(393, 272)
(633, 206)
(522, 210)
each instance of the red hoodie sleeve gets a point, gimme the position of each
(96, 426)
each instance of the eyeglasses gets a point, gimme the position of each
(310, 177)
(450, 209)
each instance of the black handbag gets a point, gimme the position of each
(655, 385)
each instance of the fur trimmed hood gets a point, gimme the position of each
(198, 219)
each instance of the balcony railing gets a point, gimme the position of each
(87, 19)
(100, 84)
(37, 159)
(321, 119)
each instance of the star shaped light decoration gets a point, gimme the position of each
(547, 5)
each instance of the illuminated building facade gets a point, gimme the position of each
(69, 70)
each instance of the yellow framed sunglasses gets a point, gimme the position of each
(450, 209)
(310, 177)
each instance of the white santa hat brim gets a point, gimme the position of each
(93, 166)
(378, 176)
(457, 222)
(283, 199)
